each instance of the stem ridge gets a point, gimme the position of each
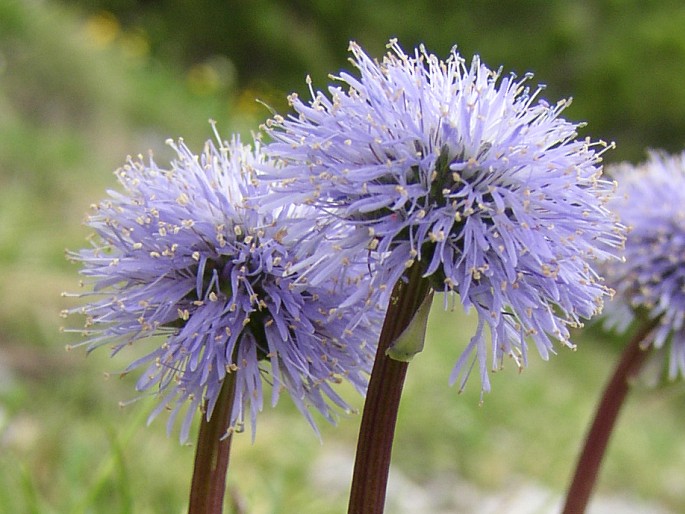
(376, 433)
(597, 439)
(212, 456)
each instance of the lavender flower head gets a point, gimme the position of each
(651, 280)
(463, 170)
(180, 254)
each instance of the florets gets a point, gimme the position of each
(650, 281)
(182, 261)
(467, 172)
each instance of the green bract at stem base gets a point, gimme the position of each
(405, 320)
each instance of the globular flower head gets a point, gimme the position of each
(181, 255)
(650, 281)
(467, 172)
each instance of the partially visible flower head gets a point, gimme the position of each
(180, 254)
(463, 170)
(651, 279)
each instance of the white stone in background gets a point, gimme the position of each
(530, 498)
(450, 494)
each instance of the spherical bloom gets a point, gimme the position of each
(650, 281)
(463, 170)
(181, 254)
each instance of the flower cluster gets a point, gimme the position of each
(651, 279)
(183, 255)
(465, 171)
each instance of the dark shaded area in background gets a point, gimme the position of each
(622, 61)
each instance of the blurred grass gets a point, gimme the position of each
(77, 95)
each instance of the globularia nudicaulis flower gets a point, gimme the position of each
(182, 264)
(651, 279)
(469, 173)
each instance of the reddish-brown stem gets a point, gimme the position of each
(606, 415)
(376, 434)
(211, 458)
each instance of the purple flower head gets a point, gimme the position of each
(463, 170)
(651, 278)
(181, 254)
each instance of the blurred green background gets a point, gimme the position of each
(83, 84)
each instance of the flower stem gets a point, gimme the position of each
(213, 450)
(606, 415)
(374, 446)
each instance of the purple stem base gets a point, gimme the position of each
(211, 458)
(590, 460)
(376, 434)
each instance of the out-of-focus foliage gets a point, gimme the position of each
(622, 60)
